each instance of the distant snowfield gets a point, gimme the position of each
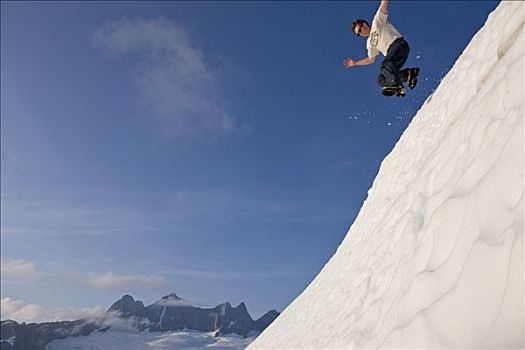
(129, 340)
(435, 256)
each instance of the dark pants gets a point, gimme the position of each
(396, 56)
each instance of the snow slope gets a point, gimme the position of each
(435, 257)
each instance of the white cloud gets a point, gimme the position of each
(22, 311)
(112, 281)
(173, 77)
(73, 313)
(18, 270)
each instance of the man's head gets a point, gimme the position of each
(361, 27)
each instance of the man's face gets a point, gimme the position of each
(363, 30)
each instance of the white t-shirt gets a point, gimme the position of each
(382, 34)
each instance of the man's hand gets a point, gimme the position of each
(384, 6)
(348, 62)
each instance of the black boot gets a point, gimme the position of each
(410, 76)
(397, 90)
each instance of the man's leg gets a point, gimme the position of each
(389, 74)
(390, 68)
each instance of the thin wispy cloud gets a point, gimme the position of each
(184, 210)
(172, 76)
(238, 275)
(112, 281)
(56, 217)
(187, 208)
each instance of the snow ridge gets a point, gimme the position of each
(435, 257)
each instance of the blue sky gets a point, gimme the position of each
(216, 149)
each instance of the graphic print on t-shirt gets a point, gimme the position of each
(374, 39)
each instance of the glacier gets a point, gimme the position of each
(435, 256)
(125, 339)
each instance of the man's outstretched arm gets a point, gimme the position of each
(348, 62)
(384, 7)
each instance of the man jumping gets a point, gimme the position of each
(385, 38)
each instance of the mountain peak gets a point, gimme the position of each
(128, 297)
(170, 297)
(242, 307)
(127, 306)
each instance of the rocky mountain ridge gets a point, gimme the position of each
(173, 313)
(170, 313)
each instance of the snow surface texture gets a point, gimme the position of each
(435, 257)
(133, 340)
